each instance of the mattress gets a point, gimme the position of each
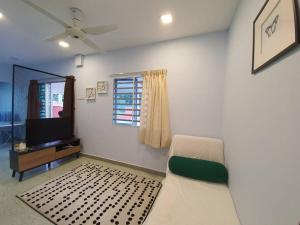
(184, 201)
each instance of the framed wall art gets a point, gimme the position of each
(275, 31)
(90, 93)
(102, 87)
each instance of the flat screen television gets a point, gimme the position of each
(40, 131)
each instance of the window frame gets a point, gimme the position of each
(137, 87)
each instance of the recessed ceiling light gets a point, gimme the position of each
(166, 18)
(64, 44)
(1, 15)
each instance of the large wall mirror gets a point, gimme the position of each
(38, 107)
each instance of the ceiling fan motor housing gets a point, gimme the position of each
(76, 33)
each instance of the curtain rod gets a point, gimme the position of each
(130, 73)
(127, 74)
(57, 79)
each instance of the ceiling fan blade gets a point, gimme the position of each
(57, 37)
(46, 13)
(91, 44)
(100, 29)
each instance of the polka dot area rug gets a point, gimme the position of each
(94, 194)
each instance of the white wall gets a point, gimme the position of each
(5, 73)
(262, 129)
(5, 97)
(196, 68)
(5, 87)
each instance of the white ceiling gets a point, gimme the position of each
(23, 29)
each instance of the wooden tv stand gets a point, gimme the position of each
(42, 154)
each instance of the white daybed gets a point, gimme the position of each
(184, 201)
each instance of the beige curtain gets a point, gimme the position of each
(155, 125)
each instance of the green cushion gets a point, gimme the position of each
(199, 169)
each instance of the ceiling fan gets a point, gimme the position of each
(75, 31)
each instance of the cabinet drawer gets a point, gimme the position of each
(67, 151)
(34, 159)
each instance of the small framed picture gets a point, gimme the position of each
(102, 87)
(275, 31)
(90, 94)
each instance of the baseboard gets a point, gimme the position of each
(159, 173)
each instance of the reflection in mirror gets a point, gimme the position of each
(37, 95)
(51, 96)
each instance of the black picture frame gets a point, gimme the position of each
(284, 51)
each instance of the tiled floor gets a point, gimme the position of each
(15, 212)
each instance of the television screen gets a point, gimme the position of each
(40, 131)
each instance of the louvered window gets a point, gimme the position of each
(127, 100)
